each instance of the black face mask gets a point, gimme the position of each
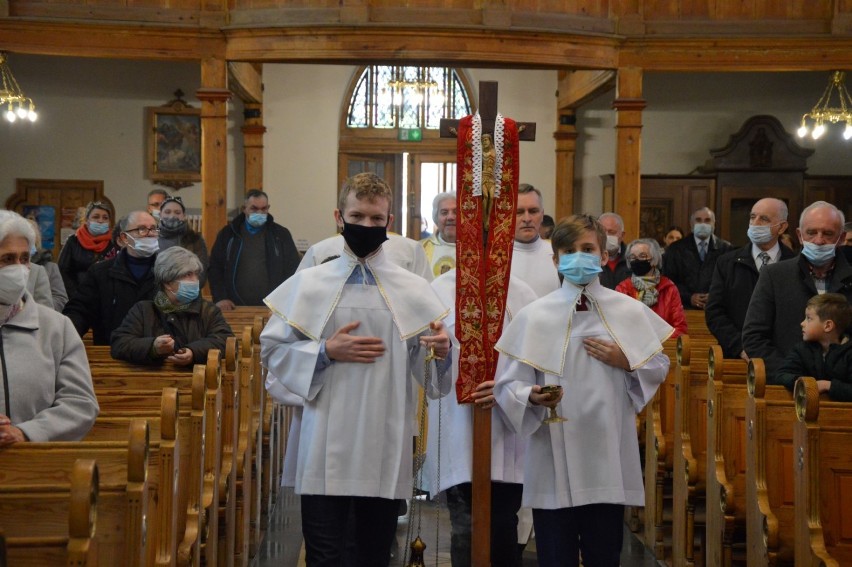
(364, 240)
(640, 267)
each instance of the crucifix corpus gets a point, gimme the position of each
(487, 187)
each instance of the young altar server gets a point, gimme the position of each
(455, 422)
(350, 337)
(605, 350)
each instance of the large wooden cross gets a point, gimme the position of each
(481, 474)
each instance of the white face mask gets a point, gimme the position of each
(13, 282)
(612, 244)
(146, 246)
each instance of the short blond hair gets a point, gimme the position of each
(571, 229)
(367, 186)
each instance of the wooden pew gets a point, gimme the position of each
(246, 442)
(197, 496)
(770, 415)
(690, 446)
(659, 424)
(230, 440)
(726, 439)
(39, 513)
(122, 521)
(822, 469)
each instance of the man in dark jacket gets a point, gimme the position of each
(615, 271)
(110, 288)
(690, 261)
(736, 274)
(251, 256)
(771, 327)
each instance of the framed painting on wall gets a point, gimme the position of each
(174, 143)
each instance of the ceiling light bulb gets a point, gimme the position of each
(21, 112)
(11, 116)
(847, 133)
(819, 130)
(802, 131)
(32, 115)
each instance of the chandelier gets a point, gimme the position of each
(822, 112)
(416, 90)
(19, 105)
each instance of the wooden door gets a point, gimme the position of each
(428, 175)
(54, 204)
(385, 166)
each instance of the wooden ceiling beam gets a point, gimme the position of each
(460, 47)
(754, 54)
(576, 87)
(98, 40)
(246, 81)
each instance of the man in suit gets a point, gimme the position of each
(736, 274)
(689, 262)
(772, 322)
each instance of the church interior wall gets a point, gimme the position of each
(688, 114)
(91, 126)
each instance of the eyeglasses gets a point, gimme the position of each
(143, 231)
(640, 257)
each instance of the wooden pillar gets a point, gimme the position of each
(628, 104)
(566, 149)
(214, 96)
(253, 131)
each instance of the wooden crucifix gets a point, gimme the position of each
(487, 188)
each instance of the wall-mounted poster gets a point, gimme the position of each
(45, 218)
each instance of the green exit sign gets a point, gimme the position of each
(410, 135)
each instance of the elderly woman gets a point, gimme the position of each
(174, 231)
(649, 286)
(91, 243)
(46, 387)
(178, 325)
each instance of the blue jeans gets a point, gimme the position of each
(596, 531)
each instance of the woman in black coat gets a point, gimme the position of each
(178, 325)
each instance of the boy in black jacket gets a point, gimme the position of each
(826, 351)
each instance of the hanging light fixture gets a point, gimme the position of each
(416, 89)
(17, 104)
(822, 113)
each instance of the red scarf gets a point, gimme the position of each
(96, 244)
(482, 273)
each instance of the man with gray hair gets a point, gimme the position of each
(772, 322)
(690, 261)
(532, 256)
(440, 248)
(736, 274)
(615, 271)
(110, 288)
(252, 256)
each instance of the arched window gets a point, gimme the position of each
(389, 121)
(406, 97)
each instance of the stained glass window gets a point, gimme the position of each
(406, 97)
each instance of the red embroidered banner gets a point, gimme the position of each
(482, 270)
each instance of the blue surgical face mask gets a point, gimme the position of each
(579, 268)
(256, 220)
(818, 254)
(187, 291)
(702, 230)
(98, 228)
(760, 233)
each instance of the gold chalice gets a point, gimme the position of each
(553, 391)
